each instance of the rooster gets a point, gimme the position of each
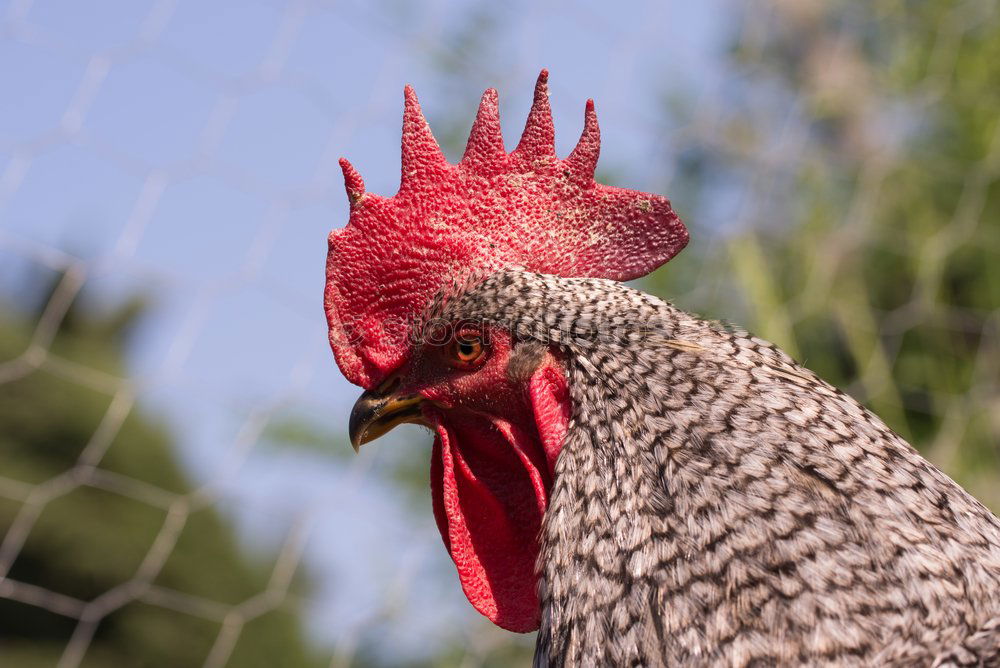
(641, 486)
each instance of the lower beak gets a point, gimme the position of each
(377, 411)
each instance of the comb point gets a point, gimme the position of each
(421, 154)
(353, 183)
(539, 137)
(485, 139)
(583, 159)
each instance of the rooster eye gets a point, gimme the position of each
(467, 350)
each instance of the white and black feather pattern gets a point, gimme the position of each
(715, 503)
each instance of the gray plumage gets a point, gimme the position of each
(715, 503)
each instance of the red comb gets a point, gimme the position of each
(492, 210)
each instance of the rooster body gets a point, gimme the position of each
(641, 486)
(716, 503)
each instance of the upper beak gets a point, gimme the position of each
(377, 411)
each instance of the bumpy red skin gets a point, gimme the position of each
(492, 465)
(491, 469)
(493, 210)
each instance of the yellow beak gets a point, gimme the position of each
(378, 411)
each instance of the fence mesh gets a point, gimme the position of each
(837, 163)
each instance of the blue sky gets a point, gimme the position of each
(188, 150)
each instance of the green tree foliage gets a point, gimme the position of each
(97, 536)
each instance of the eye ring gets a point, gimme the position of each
(467, 350)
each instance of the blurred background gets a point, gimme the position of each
(176, 487)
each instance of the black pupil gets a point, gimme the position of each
(466, 348)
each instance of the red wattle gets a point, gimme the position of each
(490, 483)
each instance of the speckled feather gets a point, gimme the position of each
(715, 503)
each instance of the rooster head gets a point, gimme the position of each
(499, 408)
